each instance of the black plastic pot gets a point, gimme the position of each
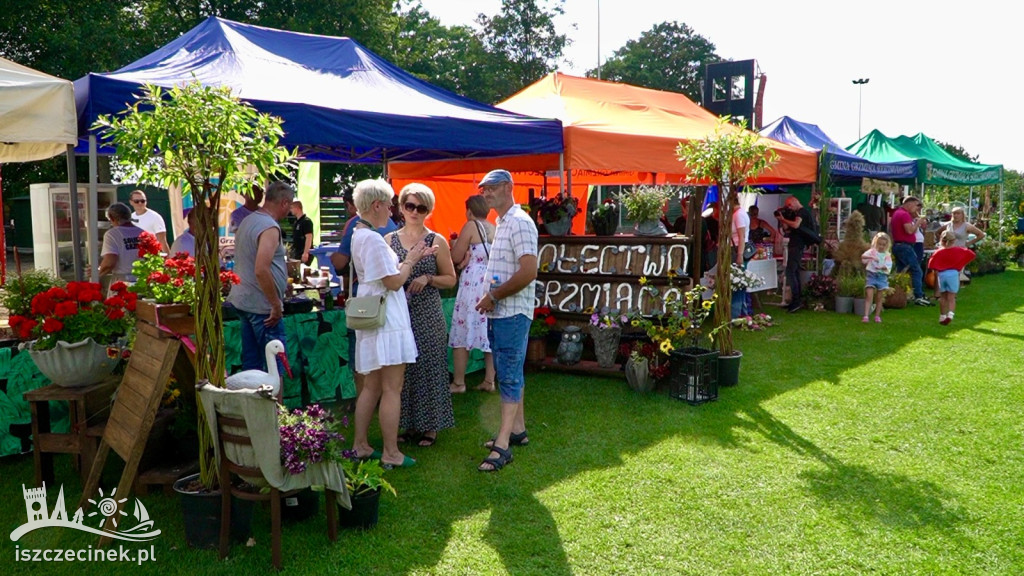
(299, 506)
(202, 516)
(364, 513)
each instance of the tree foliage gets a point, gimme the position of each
(205, 137)
(958, 151)
(670, 56)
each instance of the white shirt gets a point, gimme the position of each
(123, 241)
(740, 219)
(149, 221)
(515, 236)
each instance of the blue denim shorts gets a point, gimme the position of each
(949, 281)
(508, 338)
(877, 280)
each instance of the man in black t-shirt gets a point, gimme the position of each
(797, 223)
(302, 236)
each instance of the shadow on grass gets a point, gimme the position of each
(579, 425)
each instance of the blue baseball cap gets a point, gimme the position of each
(495, 177)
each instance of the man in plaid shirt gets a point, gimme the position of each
(511, 269)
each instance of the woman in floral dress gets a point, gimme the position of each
(469, 327)
(426, 402)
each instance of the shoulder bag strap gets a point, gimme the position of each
(483, 237)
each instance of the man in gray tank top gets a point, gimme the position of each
(260, 265)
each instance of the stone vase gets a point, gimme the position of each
(638, 375)
(606, 345)
(75, 364)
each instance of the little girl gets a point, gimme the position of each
(878, 261)
(948, 261)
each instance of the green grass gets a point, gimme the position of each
(846, 449)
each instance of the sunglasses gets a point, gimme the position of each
(139, 201)
(411, 207)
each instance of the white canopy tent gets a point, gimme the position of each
(37, 121)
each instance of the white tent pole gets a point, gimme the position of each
(970, 202)
(90, 211)
(76, 221)
(1001, 213)
(561, 172)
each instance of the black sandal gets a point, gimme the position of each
(504, 457)
(513, 440)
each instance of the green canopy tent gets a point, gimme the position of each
(935, 165)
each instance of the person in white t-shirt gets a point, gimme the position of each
(186, 241)
(120, 243)
(148, 219)
(740, 230)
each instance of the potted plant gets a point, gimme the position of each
(605, 218)
(819, 289)
(855, 283)
(208, 139)
(365, 482)
(899, 288)
(78, 334)
(536, 345)
(849, 286)
(556, 213)
(644, 205)
(678, 332)
(729, 158)
(606, 329)
(645, 366)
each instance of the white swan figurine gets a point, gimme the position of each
(254, 379)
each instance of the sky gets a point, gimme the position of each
(948, 69)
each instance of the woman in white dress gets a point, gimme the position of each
(469, 327)
(381, 353)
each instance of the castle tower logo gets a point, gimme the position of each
(108, 517)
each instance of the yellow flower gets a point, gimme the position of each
(666, 346)
(707, 305)
(588, 310)
(634, 323)
(545, 267)
(672, 274)
(643, 280)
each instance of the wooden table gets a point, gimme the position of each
(85, 405)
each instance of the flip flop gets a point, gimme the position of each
(375, 455)
(504, 457)
(409, 437)
(426, 441)
(406, 463)
(457, 389)
(485, 386)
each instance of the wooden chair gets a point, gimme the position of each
(233, 437)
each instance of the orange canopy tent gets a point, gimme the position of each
(614, 134)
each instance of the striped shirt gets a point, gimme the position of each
(515, 236)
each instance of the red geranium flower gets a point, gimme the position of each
(57, 293)
(51, 325)
(115, 301)
(178, 282)
(26, 327)
(158, 278)
(115, 313)
(129, 301)
(119, 287)
(550, 320)
(229, 277)
(148, 244)
(65, 309)
(42, 304)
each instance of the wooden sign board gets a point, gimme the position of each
(586, 274)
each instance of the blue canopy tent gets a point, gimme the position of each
(339, 101)
(840, 162)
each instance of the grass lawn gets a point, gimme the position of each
(846, 449)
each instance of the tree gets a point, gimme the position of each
(670, 56)
(728, 158)
(522, 45)
(957, 151)
(204, 137)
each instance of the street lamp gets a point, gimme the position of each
(860, 82)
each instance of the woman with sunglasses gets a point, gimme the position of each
(426, 402)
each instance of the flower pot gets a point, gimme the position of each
(638, 376)
(559, 227)
(605, 226)
(606, 345)
(77, 364)
(694, 375)
(364, 513)
(300, 506)
(536, 350)
(201, 512)
(650, 228)
(729, 369)
(844, 304)
(896, 299)
(859, 307)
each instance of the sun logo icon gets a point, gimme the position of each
(108, 506)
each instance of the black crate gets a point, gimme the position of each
(694, 375)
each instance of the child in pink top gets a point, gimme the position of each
(878, 261)
(948, 261)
